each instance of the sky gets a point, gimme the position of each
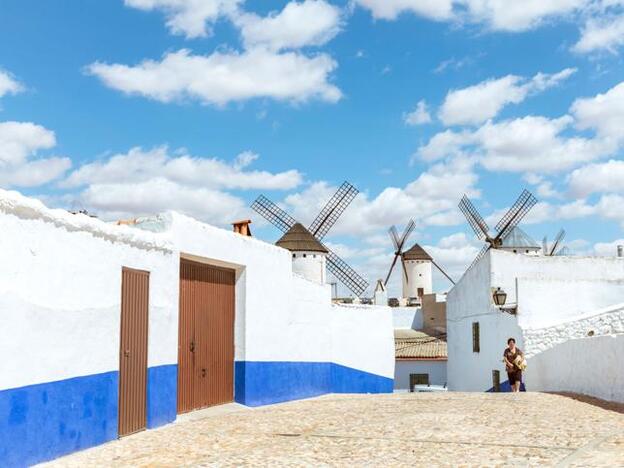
(133, 107)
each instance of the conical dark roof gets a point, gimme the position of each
(298, 239)
(416, 253)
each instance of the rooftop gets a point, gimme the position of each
(416, 253)
(416, 344)
(518, 239)
(299, 239)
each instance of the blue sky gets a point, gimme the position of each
(134, 107)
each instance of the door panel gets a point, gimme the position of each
(133, 351)
(205, 374)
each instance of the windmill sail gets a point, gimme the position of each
(273, 213)
(333, 210)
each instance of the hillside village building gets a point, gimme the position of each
(566, 313)
(107, 330)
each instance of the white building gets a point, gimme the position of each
(68, 281)
(566, 314)
(420, 359)
(418, 268)
(518, 241)
(309, 257)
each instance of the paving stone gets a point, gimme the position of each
(427, 429)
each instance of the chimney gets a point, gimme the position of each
(620, 250)
(242, 227)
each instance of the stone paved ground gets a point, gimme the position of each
(426, 429)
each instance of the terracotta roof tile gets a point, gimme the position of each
(416, 344)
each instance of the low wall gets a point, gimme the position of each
(60, 300)
(591, 366)
(407, 317)
(403, 369)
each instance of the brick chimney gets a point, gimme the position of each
(242, 227)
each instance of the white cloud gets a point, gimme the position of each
(478, 103)
(603, 113)
(309, 23)
(138, 165)
(418, 116)
(431, 199)
(8, 84)
(607, 249)
(601, 33)
(220, 78)
(498, 15)
(596, 178)
(390, 9)
(505, 15)
(188, 17)
(19, 164)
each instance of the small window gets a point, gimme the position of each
(305, 255)
(515, 251)
(526, 251)
(314, 256)
(294, 255)
(476, 346)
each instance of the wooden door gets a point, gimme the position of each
(206, 336)
(133, 351)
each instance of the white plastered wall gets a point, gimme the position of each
(310, 265)
(419, 275)
(60, 293)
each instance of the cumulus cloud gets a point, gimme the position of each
(603, 113)
(601, 34)
(20, 165)
(191, 18)
(8, 84)
(142, 182)
(139, 165)
(223, 77)
(309, 23)
(483, 101)
(596, 178)
(498, 15)
(391, 9)
(420, 115)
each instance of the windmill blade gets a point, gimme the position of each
(411, 225)
(273, 213)
(442, 271)
(481, 253)
(394, 235)
(345, 274)
(560, 235)
(476, 221)
(333, 210)
(545, 245)
(514, 215)
(563, 251)
(391, 268)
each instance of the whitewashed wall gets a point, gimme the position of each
(590, 366)
(407, 317)
(470, 301)
(419, 275)
(310, 265)
(403, 369)
(60, 293)
(558, 299)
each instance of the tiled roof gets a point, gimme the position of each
(416, 344)
(298, 238)
(416, 253)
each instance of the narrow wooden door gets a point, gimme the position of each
(133, 351)
(206, 336)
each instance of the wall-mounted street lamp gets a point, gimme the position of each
(499, 296)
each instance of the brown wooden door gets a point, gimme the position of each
(206, 336)
(133, 351)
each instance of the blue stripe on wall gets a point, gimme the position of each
(162, 385)
(44, 421)
(265, 382)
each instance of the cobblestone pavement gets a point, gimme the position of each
(426, 429)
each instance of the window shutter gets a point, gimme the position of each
(475, 337)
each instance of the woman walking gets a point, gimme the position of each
(514, 363)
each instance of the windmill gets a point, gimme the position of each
(512, 218)
(399, 244)
(327, 217)
(554, 249)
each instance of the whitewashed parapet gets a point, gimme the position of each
(608, 321)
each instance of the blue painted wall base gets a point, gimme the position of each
(266, 382)
(162, 387)
(44, 421)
